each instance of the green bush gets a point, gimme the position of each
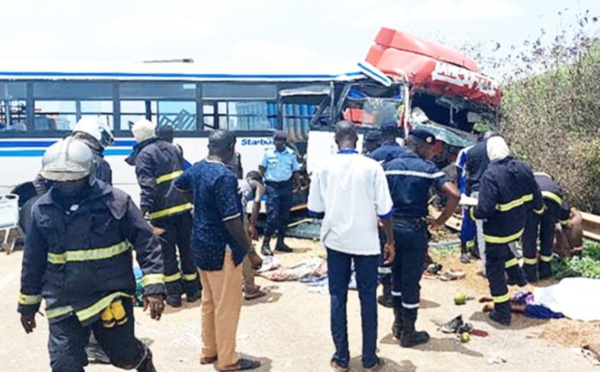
(587, 267)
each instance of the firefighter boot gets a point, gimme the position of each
(410, 336)
(501, 313)
(386, 299)
(397, 326)
(266, 247)
(464, 256)
(516, 276)
(545, 270)
(192, 289)
(146, 365)
(531, 272)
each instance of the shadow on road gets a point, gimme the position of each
(388, 365)
(519, 321)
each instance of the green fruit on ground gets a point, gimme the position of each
(460, 298)
(465, 337)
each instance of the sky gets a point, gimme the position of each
(263, 31)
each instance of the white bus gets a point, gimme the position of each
(41, 103)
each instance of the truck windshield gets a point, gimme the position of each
(372, 112)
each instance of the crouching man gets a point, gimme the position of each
(78, 258)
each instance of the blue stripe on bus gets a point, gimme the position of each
(40, 153)
(46, 143)
(172, 75)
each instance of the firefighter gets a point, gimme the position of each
(157, 164)
(468, 229)
(507, 194)
(410, 177)
(78, 258)
(94, 132)
(557, 210)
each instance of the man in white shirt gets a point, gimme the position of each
(350, 192)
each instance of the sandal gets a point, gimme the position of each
(208, 360)
(242, 365)
(337, 368)
(254, 294)
(376, 367)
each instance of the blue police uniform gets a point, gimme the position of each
(557, 209)
(508, 193)
(279, 167)
(387, 152)
(468, 230)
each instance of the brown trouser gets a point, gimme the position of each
(221, 305)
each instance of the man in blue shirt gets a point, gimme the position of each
(409, 177)
(389, 149)
(219, 243)
(278, 166)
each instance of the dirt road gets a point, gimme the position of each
(289, 331)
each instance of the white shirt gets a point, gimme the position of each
(352, 191)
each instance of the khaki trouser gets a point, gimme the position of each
(221, 305)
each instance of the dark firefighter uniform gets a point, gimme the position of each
(507, 194)
(409, 178)
(556, 210)
(78, 259)
(157, 165)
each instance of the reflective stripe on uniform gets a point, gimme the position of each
(552, 196)
(150, 279)
(99, 306)
(396, 294)
(172, 278)
(29, 299)
(470, 243)
(88, 254)
(168, 177)
(502, 239)
(414, 173)
(515, 203)
(472, 213)
(539, 211)
(546, 258)
(58, 311)
(410, 306)
(170, 211)
(510, 263)
(501, 299)
(530, 261)
(190, 277)
(564, 223)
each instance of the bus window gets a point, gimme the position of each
(97, 108)
(13, 115)
(181, 115)
(245, 116)
(296, 120)
(54, 115)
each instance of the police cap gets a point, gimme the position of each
(280, 134)
(423, 135)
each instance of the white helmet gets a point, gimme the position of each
(96, 128)
(68, 160)
(143, 130)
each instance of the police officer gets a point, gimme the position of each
(507, 194)
(468, 229)
(278, 166)
(372, 141)
(390, 149)
(78, 259)
(557, 210)
(94, 132)
(157, 164)
(409, 177)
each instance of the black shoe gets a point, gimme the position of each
(464, 258)
(397, 331)
(281, 247)
(453, 325)
(266, 250)
(194, 296)
(386, 301)
(498, 318)
(414, 338)
(173, 300)
(147, 365)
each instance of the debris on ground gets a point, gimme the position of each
(589, 354)
(311, 267)
(495, 360)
